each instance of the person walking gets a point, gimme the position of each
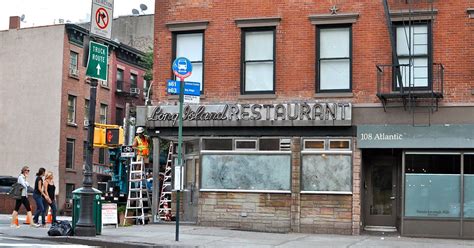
(25, 171)
(38, 195)
(50, 191)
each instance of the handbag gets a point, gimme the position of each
(15, 191)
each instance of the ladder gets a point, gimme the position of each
(164, 209)
(138, 201)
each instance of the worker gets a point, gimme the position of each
(141, 143)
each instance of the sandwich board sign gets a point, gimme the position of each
(101, 18)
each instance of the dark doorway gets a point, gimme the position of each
(381, 190)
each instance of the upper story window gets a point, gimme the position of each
(334, 57)
(119, 116)
(71, 109)
(103, 113)
(119, 79)
(413, 48)
(73, 71)
(70, 143)
(258, 60)
(191, 46)
(133, 81)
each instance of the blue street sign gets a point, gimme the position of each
(182, 68)
(190, 88)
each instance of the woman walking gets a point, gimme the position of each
(25, 171)
(38, 195)
(50, 190)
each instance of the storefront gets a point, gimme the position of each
(267, 167)
(418, 180)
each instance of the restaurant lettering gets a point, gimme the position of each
(255, 112)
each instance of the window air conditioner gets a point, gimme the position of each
(134, 91)
(73, 71)
(104, 83)
(86, 123)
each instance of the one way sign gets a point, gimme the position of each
(97, 64)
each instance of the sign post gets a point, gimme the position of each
(102, 16)
(182, 68)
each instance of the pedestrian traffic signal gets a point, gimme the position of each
(114, 136)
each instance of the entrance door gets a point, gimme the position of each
(190, 189)
(380, 190)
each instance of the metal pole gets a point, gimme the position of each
(85, 225)
(155, 201)
(180, 143)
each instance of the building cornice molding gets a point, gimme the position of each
(340, 18)
(257, 22)
(187, 26)
(412, 15)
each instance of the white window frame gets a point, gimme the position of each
(194, 62)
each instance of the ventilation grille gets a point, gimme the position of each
(285, 144)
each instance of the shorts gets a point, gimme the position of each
(23, 201)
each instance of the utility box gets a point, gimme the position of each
(96, 209)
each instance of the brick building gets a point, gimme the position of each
(322, 117)
(45, 96)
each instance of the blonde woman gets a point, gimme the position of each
(25, 171)
(50, 190)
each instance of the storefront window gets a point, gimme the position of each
(469, 185)
(432, 185)
(254, 172)
(327, 173)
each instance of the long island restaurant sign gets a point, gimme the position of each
(282, 114)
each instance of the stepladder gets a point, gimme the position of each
(164, 210)
(138, 201)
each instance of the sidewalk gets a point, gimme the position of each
(163, 235)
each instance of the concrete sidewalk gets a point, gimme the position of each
(163, 235)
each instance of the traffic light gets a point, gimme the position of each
(110, 136)
(114, 136)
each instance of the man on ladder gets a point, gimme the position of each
(141, 143)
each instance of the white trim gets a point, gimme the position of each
(344, 152)
(247, 191)
(245, 152)
(327, 192)
(433, 153)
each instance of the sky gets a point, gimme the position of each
(47, 12)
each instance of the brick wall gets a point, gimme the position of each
(264, 212)
(296, 45)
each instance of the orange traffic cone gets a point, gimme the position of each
(28, 220)
(49, 219)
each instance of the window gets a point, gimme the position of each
(133, 81)
(413, 43)
(71, 109)
(86, 112)
(191, 46)
(326, 168)
(334, 53)
(120, 80)
(258, 61)
(69, 189)
(217, 144)
(70, 153)
(269, 144)
(103, 113)
(73, 64)
(245, 145)
(432, 185)
(119, 116)
(469, 185)
(101, 156)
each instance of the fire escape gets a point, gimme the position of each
(413, 80)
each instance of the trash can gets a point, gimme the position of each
(96, 209)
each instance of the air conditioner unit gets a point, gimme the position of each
(104, 83)
(73, 71)
(134, 91)
(86, 123)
